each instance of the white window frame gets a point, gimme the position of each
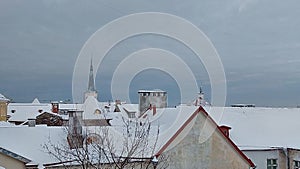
(296, 164)
(272, 164)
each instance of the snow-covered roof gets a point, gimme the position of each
(91, 109)
(258, 127)
(23, 111)
(173, 125)
(7, 124)
(168, 121)
(27, 141)
(129, 107)
(3, 98)
(70, 106)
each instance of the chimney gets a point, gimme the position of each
(154, 109)
(118, 102)
(55, 107)
(75, 137)
(225, 130)
(31, 122)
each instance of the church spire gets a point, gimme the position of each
(91, 86)
(91, 90)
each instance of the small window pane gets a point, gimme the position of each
(271, 163)
(296, 164)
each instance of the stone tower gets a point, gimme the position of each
(3, 107)
(151, 98)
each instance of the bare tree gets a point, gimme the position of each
(102, 147)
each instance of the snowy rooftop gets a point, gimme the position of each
(168, 121)
(27, 141)
(258, 128)
(24, 111)
(252, 127)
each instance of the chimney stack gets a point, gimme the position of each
(55, 107)
(154, 109)
(75, 137)
(225, 130)
(31, 122)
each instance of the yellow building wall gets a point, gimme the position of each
(10, 163)
(3, 111)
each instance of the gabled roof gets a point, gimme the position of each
(14, 155)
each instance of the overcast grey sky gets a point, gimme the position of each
(258, 42)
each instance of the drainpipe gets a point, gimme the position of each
(288, 157)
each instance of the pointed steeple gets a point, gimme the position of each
(91, 86)
(91, 90)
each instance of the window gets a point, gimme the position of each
(296, 164)
(271, 163)
(131, 114)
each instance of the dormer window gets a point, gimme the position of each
(13, 111)
(97, 111)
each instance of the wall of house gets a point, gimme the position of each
(10, 163)
(259, 157)
(282, 161)
(224, 155)
(294, 155)
(3, 110)
(214, 153)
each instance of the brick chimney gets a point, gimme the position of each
(154, 109)
(55, 107)
(225, 130)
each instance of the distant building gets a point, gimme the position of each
(274, 158)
